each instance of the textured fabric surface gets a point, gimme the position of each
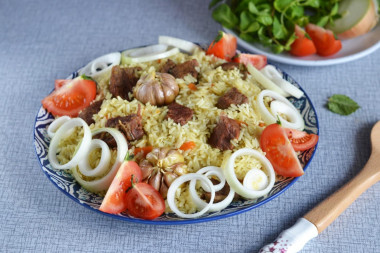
(41, 41)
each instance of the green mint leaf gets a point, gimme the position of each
(247, 37)
(246, 19)
(334, 10)
(323, 21)
(252, 8)
(213, 3)
(265, 19)
(282, 5)
(341, 104)
(224, 15)
(279, 31)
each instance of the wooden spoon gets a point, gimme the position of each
(317, 219)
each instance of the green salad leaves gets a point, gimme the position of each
(271, 22)
(341, 104)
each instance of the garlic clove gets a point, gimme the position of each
(155, 180)
(169, 177)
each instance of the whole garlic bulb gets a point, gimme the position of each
(156, 88)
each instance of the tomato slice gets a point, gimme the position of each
(143, 201)
(114, 201)
(70, 98)
(302, 46)
(61, 82)
(301, 140)
(275, 143)
(324, 40)
(257, 60)
(223, 46)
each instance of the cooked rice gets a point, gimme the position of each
(159, 132)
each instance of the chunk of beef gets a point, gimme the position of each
(179, 113)
(233, 96)
(123, 80)
(221, 194)
(168, 65)
(130, 126)
(230, 66)
(226, 130)
(107, 138)
(87, 113)
(183, 69)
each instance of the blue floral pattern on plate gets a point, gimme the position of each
(66, 183)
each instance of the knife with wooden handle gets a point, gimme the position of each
(316, 220)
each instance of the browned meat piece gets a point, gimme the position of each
(179, 113)
(230, 66)
(123, 80)
(233, 96)
(226, 130)
(107, 138)
(221, 194)
(183, 69)
(87, 113)
(169, 64)
(129, 125)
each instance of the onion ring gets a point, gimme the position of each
(105, 158)
(180, 180)
(235, 183)
(82, 149)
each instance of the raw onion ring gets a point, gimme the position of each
(180, 180)
(105, 158)
(57, 123)
(235, 184)
(211, 170)
(149, 53)
(270, 117)
(101, 65)
(184, 45)
(102, 184)
(60, 134)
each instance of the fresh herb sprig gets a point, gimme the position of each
(271, 22)
(342, 104)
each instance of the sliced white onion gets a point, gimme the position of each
(57, 123)
(255, 179)
(211, 170)
(288, 109)
(102, 184)
(177, 183)
(264, 81)
(60, 134)
(235, 184)
(149, 53)
(295, 119)
(103, 165)
(184, 45)
(101, 65)
(275, 76)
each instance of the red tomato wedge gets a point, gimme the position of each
(302, 46)
(223, 46)
(301, 140)
(61, 82)
(275, 143)
(143, 201)
(324, 40)
(257, 60)
(114, 201)
(71, 98)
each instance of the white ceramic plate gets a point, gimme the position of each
(352, 49)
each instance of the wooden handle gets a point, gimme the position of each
(328, 210)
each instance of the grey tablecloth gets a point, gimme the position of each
(41, 41)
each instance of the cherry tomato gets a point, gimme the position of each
(324, 40)
(71, 98)
(257, 60)
(61, 82)
(223, 46)
(275, 143)
(302, 46)
(143, 201)
(114, 201)
(301, 140)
